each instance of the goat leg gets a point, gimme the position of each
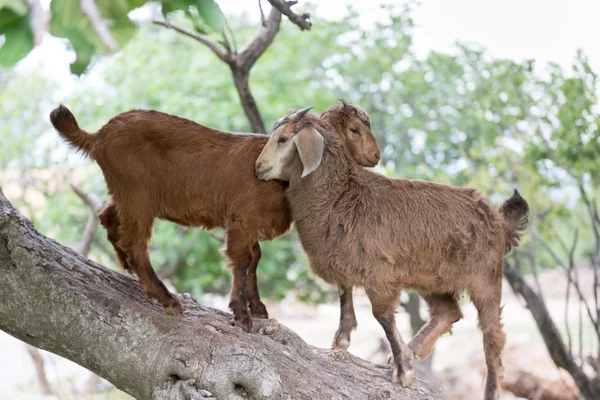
(239, 252)
(384, 301)
(256, 306)
(348, 323)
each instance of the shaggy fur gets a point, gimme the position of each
(158, 165)
(362, 228)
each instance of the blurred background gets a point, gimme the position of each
(496, 95)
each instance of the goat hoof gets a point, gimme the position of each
(244, 323)
(404, 377)
(340, 343)
(259, 311)
(173, 306)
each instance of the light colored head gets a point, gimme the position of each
(295, 138)
(353, 124)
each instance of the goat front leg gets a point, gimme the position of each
(384, 301)
(239, 252)
(348, 323)
(256, 306)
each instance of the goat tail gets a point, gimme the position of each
(515, 211)
(65, 123)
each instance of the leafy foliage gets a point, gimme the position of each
(18, 39)
(68, 20)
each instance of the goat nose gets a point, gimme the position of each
(378, 155)
(258, 165)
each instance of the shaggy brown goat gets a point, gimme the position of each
(158, 165)
(362, 228)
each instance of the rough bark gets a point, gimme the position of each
(56, 299)
(589, 388)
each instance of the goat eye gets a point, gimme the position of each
(355, 131)
(282, 139)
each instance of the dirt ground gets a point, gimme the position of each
(457, 360)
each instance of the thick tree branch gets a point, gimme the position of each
(55, 299)
(89, 8)
(284, 7)
(224, 56)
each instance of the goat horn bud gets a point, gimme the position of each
(344, 102)
(300, 113)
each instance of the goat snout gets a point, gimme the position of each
(259, 171)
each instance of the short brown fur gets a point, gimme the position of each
(158, 165)
(362, 228)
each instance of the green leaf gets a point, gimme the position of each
(210, 12)
(18, 7)
(205, 12)
(70, 22)
(17, 34)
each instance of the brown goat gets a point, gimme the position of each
(362, 228)
(158, 165)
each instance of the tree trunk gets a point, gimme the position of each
(589, 388)
(54, 298)
(240, 77)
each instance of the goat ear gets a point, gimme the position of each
(309, 143)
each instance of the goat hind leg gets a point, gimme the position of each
(494, 338)
(255, 305)
(348, 323)
(134, 240)
(109, 218)
(384, 301)
(444, 312)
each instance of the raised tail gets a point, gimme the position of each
(515, 211)
(65, 123)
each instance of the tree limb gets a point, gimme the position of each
(91, 226)
(89, 8)
(55, 299)
(284, 7)
(259, 43)
(224, 56)
(588, 387)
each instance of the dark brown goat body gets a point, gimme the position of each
(158, 165)
(362, 228)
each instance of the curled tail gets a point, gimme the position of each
(66, 125)
(515, 211)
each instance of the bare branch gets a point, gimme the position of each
(549, 331)
(91, 11)
(38, 20)
(93, 201)
(262, 14)
(40, 369)
(92, 223)
(284, 7)
(259, 43)
(223, 55)
(570, 278)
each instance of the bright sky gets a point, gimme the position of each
(547, 30)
